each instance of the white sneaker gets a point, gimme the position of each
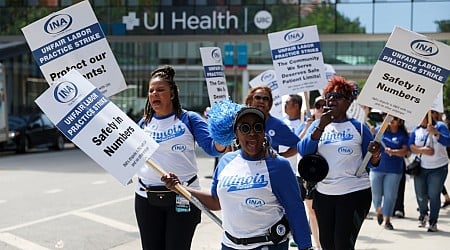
(399, 214)
(433, 228)
(423, 220)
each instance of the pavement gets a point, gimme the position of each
(406, 233)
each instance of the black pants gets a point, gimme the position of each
(162, 228)
(340, 218)
(399, 203)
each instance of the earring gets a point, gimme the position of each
(235, 143)
(265, 143)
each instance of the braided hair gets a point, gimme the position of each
(166, 73)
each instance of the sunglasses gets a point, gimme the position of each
(264, 98)
(245, 128)
(335, 95)
(319, 105)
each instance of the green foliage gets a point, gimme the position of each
(446, 94)
(12, 20)
(443, 25)
(329, 20)
(325, 16)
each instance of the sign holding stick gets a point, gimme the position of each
(378, 137)
(182, 190)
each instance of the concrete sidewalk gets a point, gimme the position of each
(406, 233)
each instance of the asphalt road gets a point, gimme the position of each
(62, 200)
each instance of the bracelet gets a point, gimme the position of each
(320, 129)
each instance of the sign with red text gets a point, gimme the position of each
(408, 76)
(97, 126)
(73, 39)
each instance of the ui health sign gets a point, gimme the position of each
(408, 76)
(73, 39)
(97, 126)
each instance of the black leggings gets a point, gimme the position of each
(162, 228)
(340, 218)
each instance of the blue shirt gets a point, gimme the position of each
(280, 134)
(391, 164)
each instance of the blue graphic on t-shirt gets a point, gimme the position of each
(328, 137)
(236, 182)
(168, 134)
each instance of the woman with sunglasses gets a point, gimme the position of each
(342, 199)
(279, 133)
(166, 222)
(385, 178)
(256, 191)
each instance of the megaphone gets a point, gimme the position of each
(313, 168)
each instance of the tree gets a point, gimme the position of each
(329, 20)
(443, 25)
(13, 19)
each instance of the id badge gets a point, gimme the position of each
(182, 204)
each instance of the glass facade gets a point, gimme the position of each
(146, 34)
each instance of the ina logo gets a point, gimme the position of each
(266, 77)
(215, 55)
(254, 202)
(65, 92)
(179, 148)
(58, 24)
(293, 36)
(424, 47)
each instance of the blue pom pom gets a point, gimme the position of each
(220, 121)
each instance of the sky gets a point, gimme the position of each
(418, 17)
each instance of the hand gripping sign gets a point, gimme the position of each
(406, 79)
(97, 126)
(182, 190)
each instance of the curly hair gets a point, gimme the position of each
(249, 97)
(167, 73)
(341, 85)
